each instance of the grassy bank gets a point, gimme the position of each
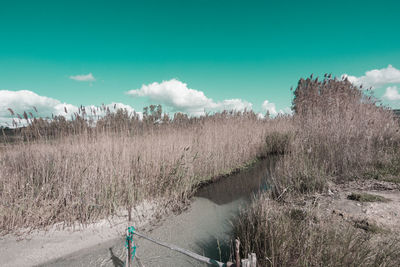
(68, 171)
(339, 134)
(289, 235)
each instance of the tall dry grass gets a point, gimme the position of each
(285, 235)
(68, 171)
(340, 133)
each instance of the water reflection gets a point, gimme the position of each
(241, 185)
(230, 194)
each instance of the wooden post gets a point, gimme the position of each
(245, 263)
(237, 255)
(128, 254)
(129, 213)
(253, 261)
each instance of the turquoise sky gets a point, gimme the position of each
(252, 50)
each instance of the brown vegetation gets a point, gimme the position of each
(340, 134)
(77, 170)
(68, 171)
(288, 235)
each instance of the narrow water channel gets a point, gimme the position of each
(205, 228)
(228, 195)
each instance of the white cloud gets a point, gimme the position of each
(24, 100)
(177, 96)
(376, 78)
(20, 101)
(111, 107)
(392, 93)
(286, 110)
(269, 107)
(233, 104)
(260, 116)
(83, 78)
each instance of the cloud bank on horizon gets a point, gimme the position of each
(271, 109)
(176, 95)
(392, 93)
(378, 78)
(172, 94)
(26, 101)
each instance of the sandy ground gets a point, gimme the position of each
(198, 229)
(384, 214)
(39, 247)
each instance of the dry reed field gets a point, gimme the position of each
(286, 235)
(68, 171)
(340, 134)
(87, 168)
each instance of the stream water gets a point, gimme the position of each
(205, 228)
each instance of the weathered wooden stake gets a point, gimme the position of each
(245, 263)
(129, 213)
(253, 260)
(237, 255)
(128, 254)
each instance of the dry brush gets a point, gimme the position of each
(85, 173)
